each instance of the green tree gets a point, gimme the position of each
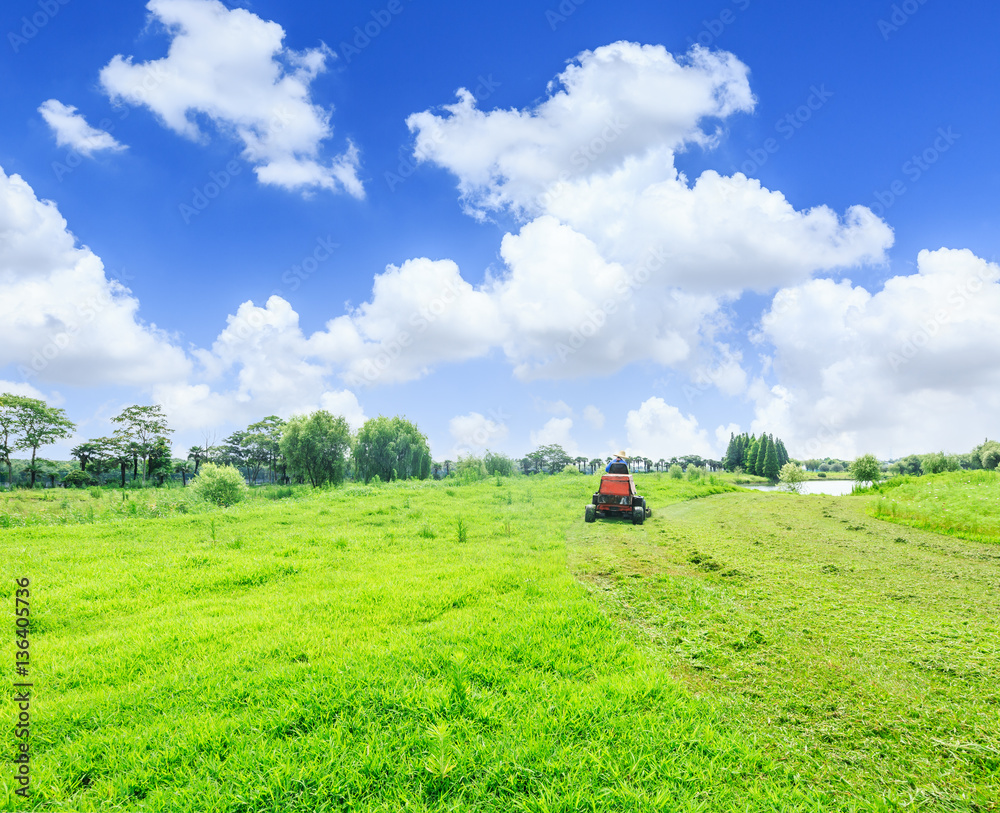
(9, 411)
(27, 423)
(392, 448)
(749, 454)
(792, 476)
(675, 471)
(85, 452)
(498, 464)
(783, 457)
(115, 451)
(471, 468)
(197, 454)
(142, 426)
(866, 469)
(160, 464)
(937, 462)
(184, 469)
(551, 458)
(771, 467)
(316, 446)
(264, 439)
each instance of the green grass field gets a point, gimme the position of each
(431, 646)
(965, 504)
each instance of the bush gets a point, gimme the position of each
(791, 477)
(222, 485)
(78, 479)
(570, 468)
(676, 472)
(693, 473)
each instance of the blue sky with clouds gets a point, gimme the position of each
(640, 227)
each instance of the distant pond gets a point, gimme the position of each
(838, 488)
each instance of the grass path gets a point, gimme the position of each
(865, 654)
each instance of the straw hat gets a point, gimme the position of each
(620, 454)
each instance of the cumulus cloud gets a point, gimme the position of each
(64, 320)
(231, 67)
(22, 388)
(421, 314)
(556, 431)
(261, 363)
(913, 367)
(474, 433)
(658, 430)
(71, 129)
(593, 417)
(617, 101)
(621, 258)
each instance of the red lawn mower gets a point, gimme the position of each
(617, 498)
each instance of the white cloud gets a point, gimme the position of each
(421, 314)
(593, 417)
(22, 388)
(474, 433)
(71, 129)
(232, 67)
(617, 101)
(556, 431)
(912, 368)
(64, 320)
(260, 364)
(344, 402)
(622, 259)
(658, 430)
(558, 408)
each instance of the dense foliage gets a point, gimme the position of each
(222, 485)
(316, 446)
(391, 449)
(763, 456)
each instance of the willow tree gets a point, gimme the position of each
(392, 449)
(316, 446)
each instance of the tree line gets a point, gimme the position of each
(763, 456)
(318, 448)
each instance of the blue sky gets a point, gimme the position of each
(637, 228)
